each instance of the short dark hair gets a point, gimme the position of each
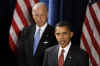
(64, 23)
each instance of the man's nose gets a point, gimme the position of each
(40, 17)
(61, 36)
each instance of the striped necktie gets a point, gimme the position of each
(36, 41)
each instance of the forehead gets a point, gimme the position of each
(39, 10)
(62, 29)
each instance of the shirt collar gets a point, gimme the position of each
(42, 28)
(67, 47)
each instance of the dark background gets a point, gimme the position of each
(6, 55)
(76, 11)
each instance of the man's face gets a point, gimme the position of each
(63, 35)
(39, 15)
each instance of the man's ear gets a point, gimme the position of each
(47, 15)
(72, 34)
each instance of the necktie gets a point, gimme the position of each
(36, 41)
(61, 58)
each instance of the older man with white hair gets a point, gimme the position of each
(35, 38)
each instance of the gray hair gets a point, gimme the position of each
(40, 4)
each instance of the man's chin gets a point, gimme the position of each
(61, 44)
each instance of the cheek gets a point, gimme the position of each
(34, 17)
(57, 37)
(67, 37)
(43, 18)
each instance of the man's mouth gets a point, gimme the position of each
(63, 41)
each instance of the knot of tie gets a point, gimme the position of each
(62, 51)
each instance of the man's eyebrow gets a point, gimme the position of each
(61, 32)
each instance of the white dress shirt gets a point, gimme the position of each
(66, 49)
(42, 29)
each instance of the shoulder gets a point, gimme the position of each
(81, 57)
(83, 52)
(51, 49)
(26, 31)
(80, 53)
(79, 50)
(28, 28)
(49, 31)
(49, 27)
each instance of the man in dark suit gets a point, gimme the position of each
(35, 38)
(65, 54)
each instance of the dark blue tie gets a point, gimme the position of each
(36, 41)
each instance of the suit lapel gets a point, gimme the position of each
(43, 39)
(68, 60)
(56, 55)
(41, 45)
(45, 34)
(31, 39)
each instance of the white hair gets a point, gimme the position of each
(40, 4)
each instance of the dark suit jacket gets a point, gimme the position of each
(25, 46)
(75, 57)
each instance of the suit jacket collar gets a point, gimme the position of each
(31, 38)
(69, 57)
(45, 33)
(56, 54)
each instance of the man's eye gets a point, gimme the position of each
(57, 33)
(35, 14)
(64, 33)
